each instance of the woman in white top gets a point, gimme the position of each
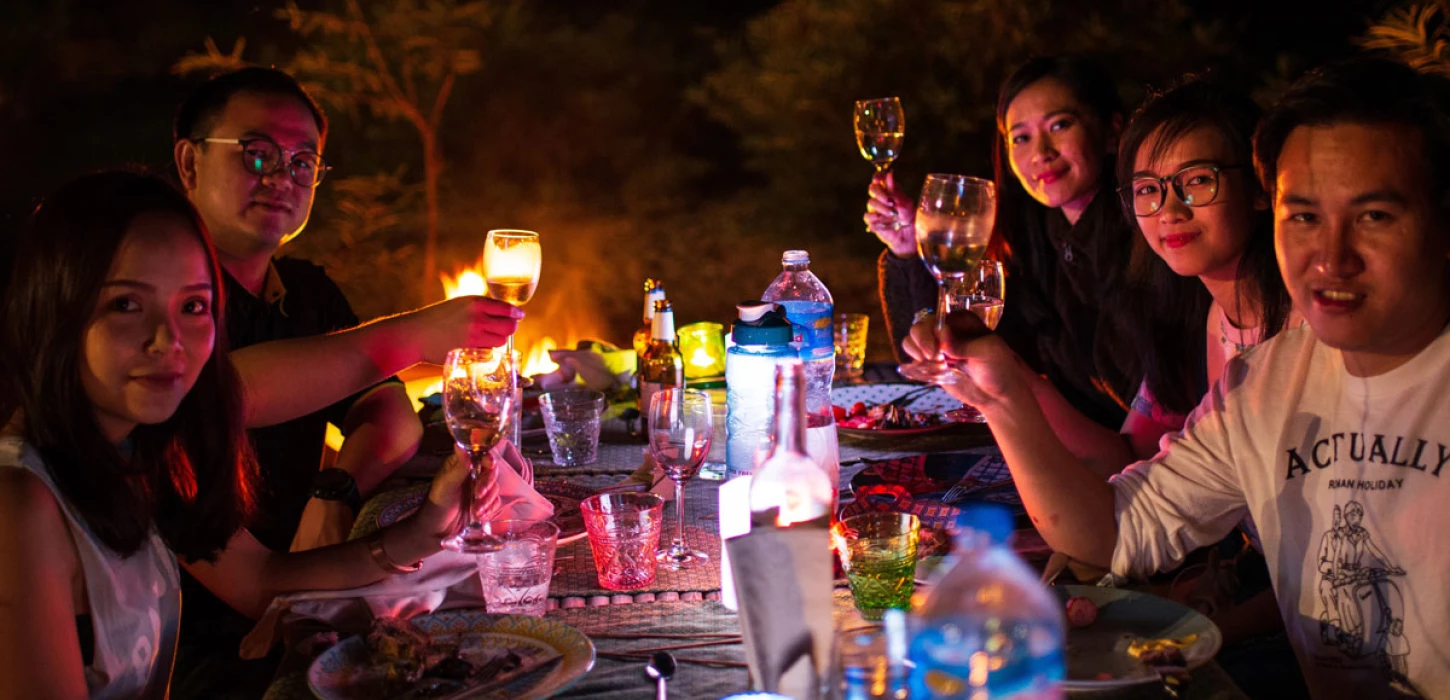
(123, 449)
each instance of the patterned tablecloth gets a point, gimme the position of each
(683, 602)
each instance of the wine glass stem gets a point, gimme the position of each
(679, 542)
(943, 307)
(515, 430)
(475, 460)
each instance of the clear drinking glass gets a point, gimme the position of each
(851, 345)
(516, 576)
(681, 426)
(478, 393)
(571, 419)
(954, 220)
(880, 128)
(512, 259)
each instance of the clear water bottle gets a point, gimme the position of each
(759, 340)
(989, 627)
(811, 311)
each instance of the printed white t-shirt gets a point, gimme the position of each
(1348, 481)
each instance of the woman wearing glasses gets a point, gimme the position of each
(1059, 228)
(1185, 163)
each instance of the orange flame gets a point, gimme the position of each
(538, 360)
(465, 282)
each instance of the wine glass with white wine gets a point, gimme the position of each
(954, 220)
(512, 260)
(985, 294)
(478, 396)
(880, 128)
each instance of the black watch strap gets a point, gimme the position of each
(333, 484)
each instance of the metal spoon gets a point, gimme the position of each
(661, 667)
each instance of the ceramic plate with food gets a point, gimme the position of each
(1112, 629)
(867, 410)
(398, 658)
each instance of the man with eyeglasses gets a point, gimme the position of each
(248, 149)
(1337, 433)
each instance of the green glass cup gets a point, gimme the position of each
(878, 553)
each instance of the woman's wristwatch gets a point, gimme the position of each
(333, 484)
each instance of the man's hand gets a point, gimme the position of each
(463, 322)
(987, 371)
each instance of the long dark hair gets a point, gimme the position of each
(1018, 214)
(1167, 311)
(1072, 326)
(190, 476)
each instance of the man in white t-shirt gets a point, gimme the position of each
(1334, 437)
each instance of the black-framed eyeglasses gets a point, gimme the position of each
(262, 157)
(1195, 186)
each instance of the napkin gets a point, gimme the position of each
(446, 580)
(649, 476)
(783, 581)
(597, 365)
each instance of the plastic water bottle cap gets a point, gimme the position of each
(794, 257)
(751, 311)
(760, 324)
(991, 519)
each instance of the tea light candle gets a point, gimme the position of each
(702, 345)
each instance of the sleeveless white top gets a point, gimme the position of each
(135, 601)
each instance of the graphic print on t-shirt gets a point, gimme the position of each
(1361, 607)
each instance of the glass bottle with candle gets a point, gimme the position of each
(789, 488)
(661, 365)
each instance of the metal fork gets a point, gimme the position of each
(904, 398)
(968, 486)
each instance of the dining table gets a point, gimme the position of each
(680, 607)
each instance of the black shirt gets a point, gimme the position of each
(1062, 286)
(298, 300)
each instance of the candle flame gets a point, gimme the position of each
(701, 357)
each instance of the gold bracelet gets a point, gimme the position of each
(380, 555)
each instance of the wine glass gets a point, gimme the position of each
(990, 298)
(985, 293)
(680, 428)
(954, 220)
(478, 395)
(512, 259)
(880, 127)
